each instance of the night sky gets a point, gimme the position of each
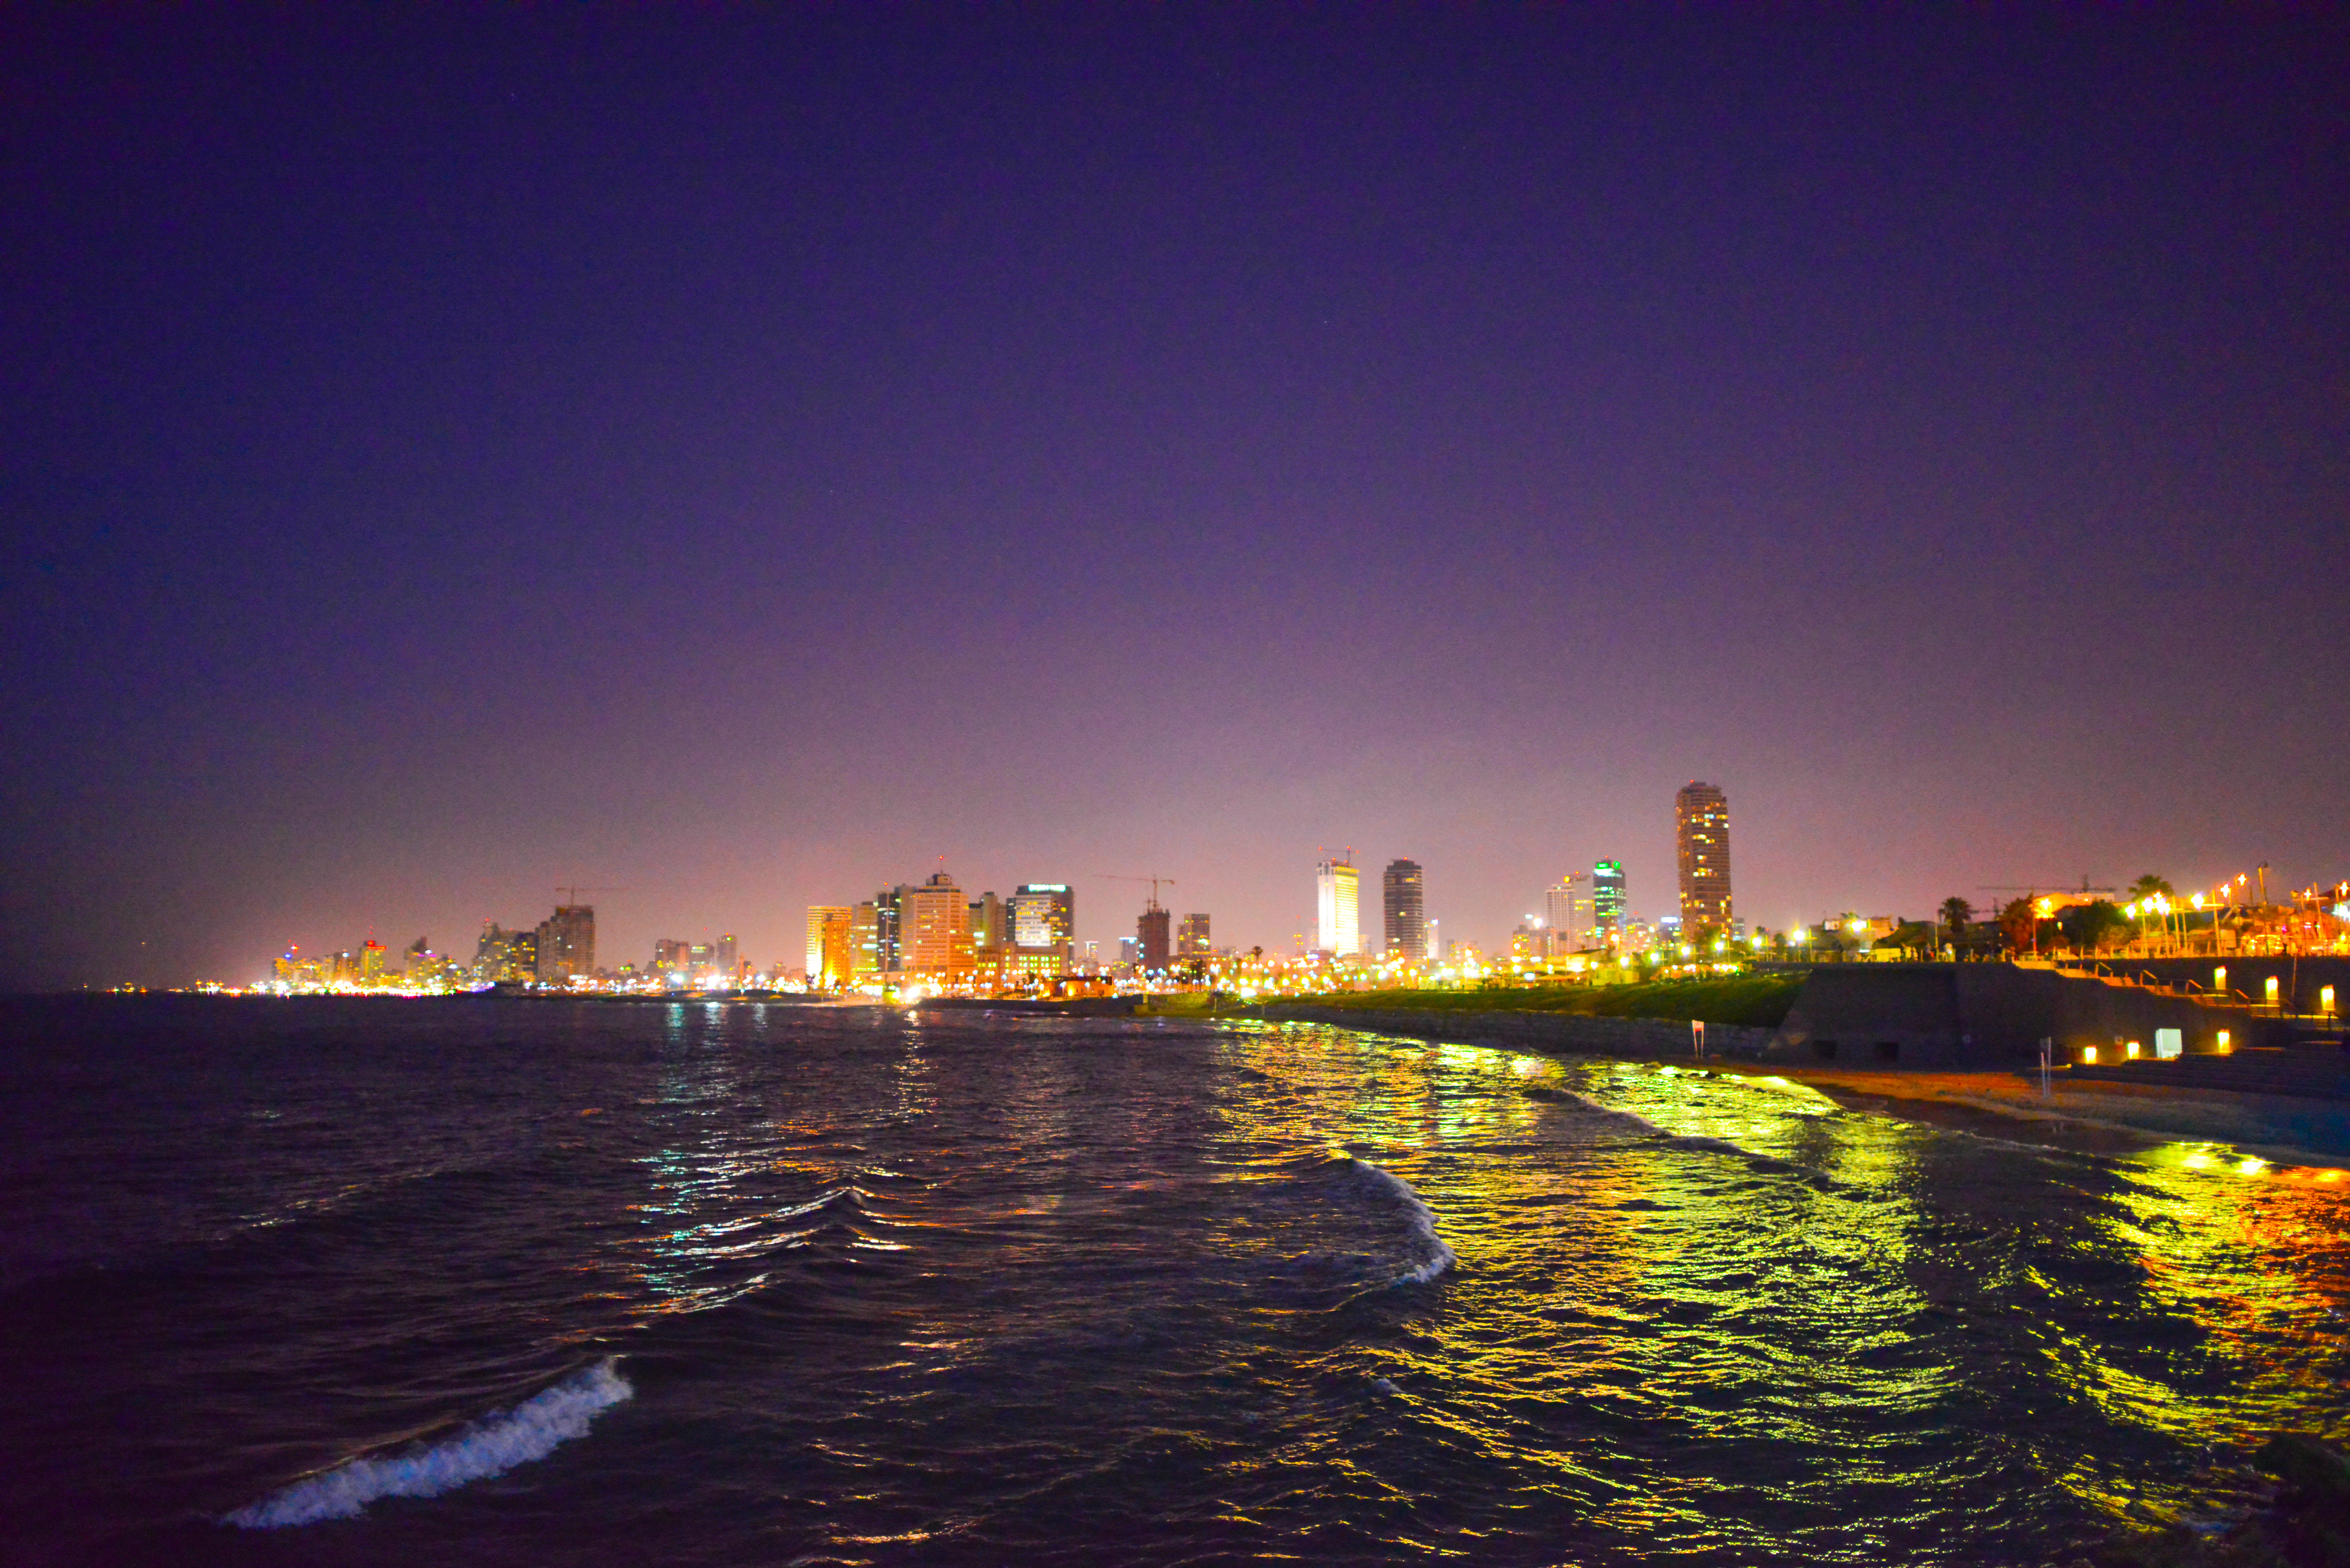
(738, 457)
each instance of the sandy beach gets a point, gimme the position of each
(2092, 1116)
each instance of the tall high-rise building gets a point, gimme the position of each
(1703, 813)
(1191, 937)
(882, 950)
(829, 963)
(566, 943)
(987, 927)
(1568, 913)
(1337, 921)
(1607, 904)
(522, 956)
(1404, 897)
(1558, 903)
(1043, 921)
(1151, 938)
(934, 928)
(865, 954)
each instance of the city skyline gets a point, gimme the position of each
(931, 928)
(743, 457)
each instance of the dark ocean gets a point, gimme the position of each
(468, 1281)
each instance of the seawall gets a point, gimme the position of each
(1970, 1016)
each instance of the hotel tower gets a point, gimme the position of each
(1703, 813)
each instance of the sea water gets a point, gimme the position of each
(511, 1281)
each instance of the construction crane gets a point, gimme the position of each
(2038, 887)
(1154, 881)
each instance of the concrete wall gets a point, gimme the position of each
(1941, 1016)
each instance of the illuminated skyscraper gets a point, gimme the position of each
(1704, 822)
(1043, 918)
(830, 963)
(875, 932)
(1191, 937)
(1607, 904)
(492, 953)
(987, 927)
(724, 958)
(934, 928)
(1338, 924)
(566, 943)
(1568, 913)
(1404, 901)
(865, 938)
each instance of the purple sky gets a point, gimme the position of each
(739, 457)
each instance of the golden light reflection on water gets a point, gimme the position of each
(1708, 1316)
(1761, 1270)
(2252, 1257)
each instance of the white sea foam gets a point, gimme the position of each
(489, 1447)
(1438, 1257)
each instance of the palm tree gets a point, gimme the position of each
(1956, 913)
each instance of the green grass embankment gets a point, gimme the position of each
(1755, 1001)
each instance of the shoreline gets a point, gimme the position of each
(2086, 1117)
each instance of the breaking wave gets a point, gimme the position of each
(1438, 1257)
(489, 1447)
